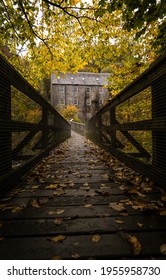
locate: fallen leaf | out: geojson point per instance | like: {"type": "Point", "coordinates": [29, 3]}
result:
{"type": "Point", "coordinates": [105, 176]}
{"type": "Point", "coordinates": [41, 221]}
{"type": "Point", "coordinates": [59, 192]}
{"type": "Point", "coordinates": [136, 207]}
{"type": "Point", "coordinates": [58, 238]}
{"type": "Point", "coordinates": [16, 209]}
{"type": "Point", "coordinates": [89, 195]}
{"type": "Point", "coordinates": [75, 256]}
{"type": "Point", "coordinates": [56, 258]}
{"type": "Point", "coordinates": [119, 221]}
{"type": "Point", "coordinates": [139, 225]}
{"type": "Point", "coordinates": [62, 185]}
{"type": "Point", "coordinates": [163, 198]}
{"type": "Point", "coordinates": [96, 238]}
{"type": "Point", "coordinates": [35, 203]}
{"type": "Point", "coordinates": [58, 221]}
{"type": "Point", "coordinates": [89, 175]}
{"type": "Point", "coordinates": [71, 185]}
{"type": "Point", "coordinates": [87, 205]}
{"type": "Point", "coordinates": [117, 206]}
{"type": "Point", "coordinates": [163, 213]}
{"type": "Point", "coordinates": [52, 186]}
{"type": "Point", "coordinates": [1, 224]}
{"type": "Point", "coordinates": [124, 213]}
{"type": "Point", "coordinates": [85, 188]}
{"type": "Point", "coordinates": [76, 244]}
{"type": "Point", "coordinates": [2, 238]}
{"type": "Point", "coordinates": [35, 187]}
{"type": "Point", "coordinates": [136, 246]}
{"type": "Point", "coordinates": [86, 184]}
{"type": "Point", "coordinates": [163, 249]}
{"type": "Point", "coordinates": [103, 186]}
{"type": "Point", "coordinates": [56, 212]}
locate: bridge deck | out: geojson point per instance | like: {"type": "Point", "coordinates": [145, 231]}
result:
{"type": "Point", "coordinates": [80, 203]}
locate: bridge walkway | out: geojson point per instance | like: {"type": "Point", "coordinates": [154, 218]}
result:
{"type": "Point", "coordinates": [81, 203]}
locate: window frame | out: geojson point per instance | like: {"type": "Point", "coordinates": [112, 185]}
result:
{"type": "Point", "coordinates": [88, 89]}
{"type": "Point", "coordinates": [75, 99]}
{"type": "Point", "coordinates": [61, 89]}
{"type": "Point", "coordinates": [88, 102]}
{"type": "Point", "coordinates": [62, 103]}
{"type": "Point", "coordinates": [100, 90]}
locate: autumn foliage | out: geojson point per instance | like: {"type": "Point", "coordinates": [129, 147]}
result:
{"type": "Point", "coordinates": [70, 113]}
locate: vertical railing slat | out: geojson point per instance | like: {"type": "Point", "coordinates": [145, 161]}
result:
{"type": "Point", "coordinates": [5, 136]}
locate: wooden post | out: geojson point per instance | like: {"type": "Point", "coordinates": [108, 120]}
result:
{"type": "Point", "coordinates": [44, 128]}
{"type": "Point", "coordinates": [159, 111]}
{"type": "Point", "coordinates": [112, 122]}
{"type": "Point", "coordinates": [5, 136]}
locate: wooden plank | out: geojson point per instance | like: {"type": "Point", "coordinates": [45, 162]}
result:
{"type": "Point", "coordinates": [75, 226]}
{"type": "Point", "coordinates": [111, 246]}
{"type": "Point", "coordinates": [68, 211]}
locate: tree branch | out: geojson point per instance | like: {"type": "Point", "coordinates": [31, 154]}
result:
{"type": "Point", "coordinates": [31, 27]}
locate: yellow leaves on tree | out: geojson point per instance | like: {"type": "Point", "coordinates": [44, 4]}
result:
{"type": "Point", "coordinates": [70, 113]}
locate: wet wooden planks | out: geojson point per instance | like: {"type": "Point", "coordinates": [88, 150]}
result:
{"type": "Point", "coordinates": [34, 212]}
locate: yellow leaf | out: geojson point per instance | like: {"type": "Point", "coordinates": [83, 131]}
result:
{"type": "Point", "coordinates": [35, 204]}
{"type": "Point", "coordinates": [52, 186]}
{"type": "Point", "coordinates": [136, 246]}
{"type": "Point", "coordinates": [58, 238]}
{"type": "Point", "coordinates": [35, 187]}
{"type": "Point", "coordinates": [87, 205]}
{"type": "Point", "coordinates": [163, 249]}
{"type": "Point", "coordinates": [119, 221]}
{"type": "Point", "coordinates": [96, 238]}
{"type": "Point", "coordinates": [139, 225]}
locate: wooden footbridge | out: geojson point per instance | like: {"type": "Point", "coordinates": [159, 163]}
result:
{"type": "Point", "coordinates": [67, 196]}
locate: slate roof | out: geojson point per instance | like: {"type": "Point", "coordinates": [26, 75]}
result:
{"type": "Point", "coordinates": [81, 78]}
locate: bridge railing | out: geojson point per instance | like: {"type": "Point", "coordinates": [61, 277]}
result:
{"type": "Point", "coordinates": [29, 126]}
{"type": "Point", "coordinates": [132, 126]}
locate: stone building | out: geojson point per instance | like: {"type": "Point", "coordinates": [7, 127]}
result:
{"type": "Point", "coordinates": [85, 90]}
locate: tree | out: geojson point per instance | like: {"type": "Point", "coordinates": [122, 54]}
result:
{"type": "Point", "coordinates": [67, 36]}
{"type": "Point", "coordinates": [139, 15]}
{"type": "Point", "coordinates": [70, 112]}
